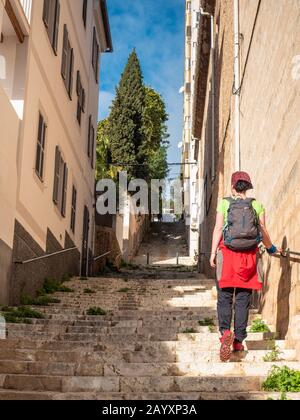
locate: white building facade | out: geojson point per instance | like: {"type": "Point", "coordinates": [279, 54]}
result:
{"type": "Point", "coordinates": [49, 93]}
{"type": "Point", "coordinates": [190, 167]}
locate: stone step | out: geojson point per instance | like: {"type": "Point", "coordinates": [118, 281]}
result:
{"type": "Point", "coordinates": [130, 315]}
{"type": "Point", "coordinates": [189, 355]}
{"type": "Point", "coordinates": [117, 368]}
{"type": "Point", "coordinates": [135, 353]}
{"type": "Point", "coordinates": [110, 384]}
{"type": "Point", "coordinates": [7, 395]}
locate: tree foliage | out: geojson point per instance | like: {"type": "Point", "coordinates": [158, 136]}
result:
{"type": "Point", "coordinates": [126, 133]}
{"type": "Point", "coordinates": [134, 137]}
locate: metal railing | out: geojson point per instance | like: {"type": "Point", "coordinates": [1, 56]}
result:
{"type": "Point", "coordinates": [102, 256]}
{"type": "Point", "coordinates": [27, 7]}
{"type": "Point", "coordinates": [46, 256]}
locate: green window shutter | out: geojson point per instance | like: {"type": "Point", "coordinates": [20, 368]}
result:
{"type": "Point", "coordinates": [64, 62]}
{"type": "Point", "coordinates": [56, 26]}
{"type": "Point", "coordinates": [46, 12]}
{"type": "Point", "coordinates": [56, 175]}
{"type": "Point", "coordinates": [64, 191]}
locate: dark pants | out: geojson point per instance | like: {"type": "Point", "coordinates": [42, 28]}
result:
{"type": "Point", "coordinates": [241, 309]}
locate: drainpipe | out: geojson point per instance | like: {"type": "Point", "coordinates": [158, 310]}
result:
{"type": "Point", "coordinates": [237, 145]}
{"type": "Point", "coordinates": [212, 55]}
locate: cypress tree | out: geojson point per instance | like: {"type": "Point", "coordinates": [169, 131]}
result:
{"type": "Point", "coordinates": [126, 119]}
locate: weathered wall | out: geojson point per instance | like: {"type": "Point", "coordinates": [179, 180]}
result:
{"type": "Point", "coordinates": [121, 234]}
{"type": "Point", "coordinates": [106, 241]}
{"type": "Point", "coordinates": [9, 123]}
{"type": "Point", "coordinates": [30, 277]}
{"type": "Point", "coordinates": [218, 187]}
{"type": "Point", "coordinates": [270, 141]}
{"type": "Point", "coordinates": [130, 231]}
{"type": "Point", "coordinates": [270, 146]}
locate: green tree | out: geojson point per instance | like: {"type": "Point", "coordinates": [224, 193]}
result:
{"type": "Point", "coordinates": [126, 132]}
{"type": "Point", "coordinates": [104, 168]}
{"type": "Point", "coordinates": [154, 147]}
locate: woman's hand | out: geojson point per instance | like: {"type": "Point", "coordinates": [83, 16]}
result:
{"type": "Point", "coordinates": [213, 260]}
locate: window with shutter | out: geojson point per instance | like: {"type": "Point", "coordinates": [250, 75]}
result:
{"type": "Point", "coordinates": [73, 209]}
{"type": "Point", "coordinates": [91, 141]}
{"type": "Point", "coordinates": [64, 190]}
{"type": "Point", "coordinates": [95, 55]}
{"type": "Point", "coordinates": [84, 12]}
{"type": "Point", "coordinates": [51, 15]}
{"type": "Point", "coordinates": [92, 146]}
{"type": "Point", "coordinates": [67, 63]}
{"type": "Point", "coordinates": [64, 60]}
{"type": "Point", "coordinates": [56, 27]}
{"type": "Point", "coordinates": [89, 137]}
{"type": "Point", "coordinates": [81, 98]}
{"type": "Point", "coordinates": [40, 152]}
{"type": "Point", "coordinates": [56, 175]}
{"type": "Point", "coordinates": [60, 182]}
{"type": "Point", "coordinates": [46, 12]}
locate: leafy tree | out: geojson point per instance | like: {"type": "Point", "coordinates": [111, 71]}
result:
{"type": "Point", "coordinates": [154, 147]}
{"type": "Point", "coordinates": [134, 136]}
{"type": "Point", "coordinates": [104, 168]}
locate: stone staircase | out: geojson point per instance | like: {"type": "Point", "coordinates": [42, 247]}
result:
{"type": "Point", "coordinates": [149, 345]}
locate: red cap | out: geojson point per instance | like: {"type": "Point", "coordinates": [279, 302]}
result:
{"type": "Point", "coordinates": [240, 176]}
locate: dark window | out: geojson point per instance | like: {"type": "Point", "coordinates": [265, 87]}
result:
{"type": "Point", "coordinates": [188, 88]}
{"type": "Point", "coordinates": [67, 63]}
{"type": "Point", "coordinates": [81, 98]}
{"type": "Point", "coordinates": [84, 12]}
{"type": "Point", "coordinates": [73, 209]}
{"type": "Point", "coordinates": [95, 56]}
{"type": "Point", "coordinates": [51, 14]}
{"type": "Point", "coordinates": [40, 152]}
{"type": "Point", "coordinates": [91, 141]}
{"type": "Point", "coordinates": [189, 31]}
{"type": "Point", "coordinates": [60, 182]}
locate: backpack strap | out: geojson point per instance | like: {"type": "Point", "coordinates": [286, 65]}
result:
{"type": "Point", "coordinates": [230, 199]}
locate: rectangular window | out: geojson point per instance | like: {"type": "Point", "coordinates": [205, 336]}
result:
{"type": "Point", "coordinates": [84, 12]}
{"type": "Point", "coordinates": [95, 56]}
{"type": "Point", "coordinates": [67, 63]}
{"type": "Point", "coordinates": [73, 209]}
{"type": "Point", "coordinates": [189, 31]}
{"type": "Point", "coordinates": [80, 98]}
{"type": "Point", "coordinates": [91, 141]}
{"type": "Point", "coordinates": [40, 152]}
{"type": "Point", "coordinates": [60, 182]}
{"type": "Point", "coordinates": [51, 15]}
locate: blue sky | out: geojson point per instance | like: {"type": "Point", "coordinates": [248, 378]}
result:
{"type": "Point", "coordinates": [156, 29]}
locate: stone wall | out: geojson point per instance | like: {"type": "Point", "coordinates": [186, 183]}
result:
{"type": "Point", "coordinates": [106, 241]}
{"type": "Point", "coordinates": [270, 137]}
{"type": "Point", "coordinates": [28, 278]}
{"type": "Point", "coordinates": [216, 188]}
{"type": "Point", "coordinates": [122, 239]}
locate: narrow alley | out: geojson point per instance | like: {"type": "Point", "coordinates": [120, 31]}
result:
{"type": "Point", "coordinates": [143, 333]}
{"type": "Point", "coordinates": [164, 243]}
{"type": "Point", "coordinates": [149, 201]}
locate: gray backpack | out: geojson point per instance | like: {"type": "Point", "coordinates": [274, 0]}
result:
{"type": "Point", "coordinates": [242, 231]}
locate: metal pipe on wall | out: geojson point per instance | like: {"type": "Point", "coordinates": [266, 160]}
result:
{"type": "Point", "coordinates": [237, 142]}
{"type": "Point", "coordinates": [213, 93]}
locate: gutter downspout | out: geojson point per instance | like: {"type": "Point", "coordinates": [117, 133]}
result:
{"type": "Point", "coordinates": [213, 90]}
{"type": "Point", "coordinates": [237, 90]}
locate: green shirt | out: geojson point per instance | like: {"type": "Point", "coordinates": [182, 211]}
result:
{"type": "Point", "coordinates": [224, 205]}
